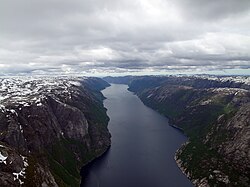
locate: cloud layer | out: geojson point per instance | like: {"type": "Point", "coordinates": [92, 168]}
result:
{"type": "Point", "coordinates": [125, 36]}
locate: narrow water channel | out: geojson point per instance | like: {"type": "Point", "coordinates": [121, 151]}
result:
{"type": "Point", "coordinates": [143, 146]}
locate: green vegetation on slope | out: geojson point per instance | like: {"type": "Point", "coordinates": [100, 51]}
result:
{"type": "Point", "coordinates": [184, 108]}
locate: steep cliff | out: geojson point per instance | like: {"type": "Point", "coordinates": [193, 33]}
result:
{"type": "Point", "coordinates": [215, 115]}
{"type": "Point", "coordinates": [49, 128]}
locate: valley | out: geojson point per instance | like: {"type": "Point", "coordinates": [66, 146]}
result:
{"type": "Point", "coordinates": [214, 113]}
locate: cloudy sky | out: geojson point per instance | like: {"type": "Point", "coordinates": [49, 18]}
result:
{"type": "Point", "coordinates": [100, 37]}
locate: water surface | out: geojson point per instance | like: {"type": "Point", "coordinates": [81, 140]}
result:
{"type": "Point", "coordinates": [143, 146]}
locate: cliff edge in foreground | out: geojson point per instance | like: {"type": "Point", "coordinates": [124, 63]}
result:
{"type": "Point", "coordinates": [49, 128]}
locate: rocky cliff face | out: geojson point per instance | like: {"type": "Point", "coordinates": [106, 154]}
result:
{"type": "Point", "coordinates": [49, 128]}
{"type": "Point", "coordinates": [215, 115]}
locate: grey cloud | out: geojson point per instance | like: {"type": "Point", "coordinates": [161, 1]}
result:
{"type": "Point", "coordinates": [123, 36]}
{"type": "Point", "coordinates": [212, 10]}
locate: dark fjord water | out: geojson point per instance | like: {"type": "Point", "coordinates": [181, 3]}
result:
{"type": "Point", "coordinates": [143, 146]}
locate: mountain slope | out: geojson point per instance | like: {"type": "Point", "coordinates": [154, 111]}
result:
{"type": "Point", "coordinates": [50, 127]}
{"type": "Point", "coordinates": [215, 115]}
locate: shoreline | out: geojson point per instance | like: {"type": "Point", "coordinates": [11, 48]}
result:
{"type": "Point", "coordinates": [178, 128]}
{"type": "Point", "coordinates": [179, 161]}
{"type": "Point", "coordinates": [85, 169]}
{"type": "Point", "coordinates": [195, 182]}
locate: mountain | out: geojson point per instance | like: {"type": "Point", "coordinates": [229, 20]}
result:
{"type": "Point", "coordinates": [119, 80]}
{"type": "Point", "coordinates": [49, 128]}
{"type": "Point", "coordinates": [214, 112]}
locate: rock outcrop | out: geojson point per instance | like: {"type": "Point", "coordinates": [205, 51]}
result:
{"type": "Point", "coordinates": [49, 128]}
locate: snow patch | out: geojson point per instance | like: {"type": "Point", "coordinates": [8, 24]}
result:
{"type": "Point", "coordinates": [13, 112]}
{"type": "Point", "coordinates": [206, 102]}
{"type": "Point", "coordinates": [20, 175]}
{"type": "Point", "coordinates": [75, 83]}
{"type": "Point", "coordinates": [3, 158]}
{"type": "Point", "coordinates": [28, 90]}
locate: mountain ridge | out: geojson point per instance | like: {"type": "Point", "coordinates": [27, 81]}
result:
{"type": "Point", "coordinates": [50, 127]}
